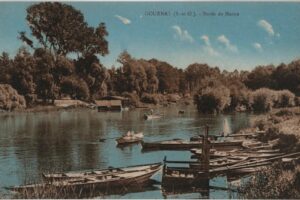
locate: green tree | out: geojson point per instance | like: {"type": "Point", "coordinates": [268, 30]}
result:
{"type": "Point", "coordinates": [75, 87]}
{"type": "Point", "coordinates": [212, 99]}
{"type": "Point", "coordinates": [260, 77]}
{"type": "Point", "coordinates": [95, 75]}
{"type": "Point", "coordinates": [45, 85]}
{"type": "Point", "coordinates": [133, 74]}
{"type": "Point", "coordinates": [167, 75]}
{"type": "Point", "coordinates": [22, 73]}
{"type": "Point", "coordinates": [61, 29]}
{"type": "Point", "coordinates": [6, 65]}
{"type": "Point", "coordinates": [288, 76]}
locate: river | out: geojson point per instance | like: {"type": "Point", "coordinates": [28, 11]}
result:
{"type": "Point", "coordinates": [32, 143]}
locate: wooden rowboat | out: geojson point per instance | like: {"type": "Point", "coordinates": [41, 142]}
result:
{"type": "Point", "coordinates": [102, 180]}
{"type": "Point", "coordinates": [98, 173]}
{"type": "Point", "coordinates": [222, 162]}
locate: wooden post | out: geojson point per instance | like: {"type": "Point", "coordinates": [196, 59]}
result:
{"type": "Point", "coordinates": [205, 152]}
{"type": "Point", "coordinates": [205, 160]}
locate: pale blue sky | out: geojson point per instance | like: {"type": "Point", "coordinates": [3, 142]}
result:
{"type": "Point", "coordinates": [263, 33]}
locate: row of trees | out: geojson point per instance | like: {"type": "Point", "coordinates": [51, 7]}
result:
{"type": "Point", "coordinates": [220, 98]}
{"type": "Point", "coordinates": [45, 71]}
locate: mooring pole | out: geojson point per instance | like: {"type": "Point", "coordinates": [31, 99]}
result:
{"type": "Point", "coordinates": [205, 159]}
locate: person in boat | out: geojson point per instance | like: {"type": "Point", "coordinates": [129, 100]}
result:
{"type": "Point", "coordinates": [151, 112]}
{"type": "Point", "coordinates": [129, 134]}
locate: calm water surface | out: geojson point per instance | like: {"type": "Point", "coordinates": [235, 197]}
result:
{"type": "Point", "coordinates": [32, 143]}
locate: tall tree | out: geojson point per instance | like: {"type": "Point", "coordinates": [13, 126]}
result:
{"type": "Point", "coordinates": [5, 68]}
{"type": "Point", "coordinates": [45, 86]}
{"type": "Point", "coordinates": [22, 74]}
{"type": "Point", "coordinates": [61, 29]}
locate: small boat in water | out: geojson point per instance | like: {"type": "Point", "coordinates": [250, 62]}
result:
{"type": "Point", "coordinates": [151, 116]}
{"type": "Point", "coordinates": [104, 180]}
{"type": "Point", "coordinates": [130, 137]}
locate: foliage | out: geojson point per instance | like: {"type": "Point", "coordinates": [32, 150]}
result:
{"type": "Point", "coordinates": [261, 100]}
{"type": "Point", "coordinates": [212, 99]}
{"type": "Point", "coordinates": [45, 85]}
{"type": "Point", "coordinates": [196, 73]}
{"type": "Point", "coordinates": [22, 74]}
{"type": "Point", "coordinates": [75, 87]}
{"type": "Point", "coordinates": [10, 99]}
{"type": "Point", "coordinates": [276, 182]}
{"type": "Point", "coordinates": [168, 77]}
{"type": "Point", "coordinates": [94, 74]}
{"type": "Point", "coordinates": [150, 98]}
{"type": "Point", "coordinates": [61, 28]}
{"type": "Point", "coordinates": [285, 98]}
{"type": "Point", "coordinates": [134, 99]}
{"type": "Point", "coordinates": [260, 77]}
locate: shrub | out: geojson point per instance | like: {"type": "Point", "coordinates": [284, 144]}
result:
{"type": "Point", "coordinates": [133, 98]}
{"type": "Point", "coordinates": [212, 99]}
{"type": "Point", "coordinates": [274, 182]}
{"type": "Point", "coordinates": [285, 98]}
{"type": "Point", "coordinates": [261, 100]}
{"type": "Point", "coordinates": [150, 98]}
{"type": "Point", "coordinates": [10, 99]}
{"type": "Point", "coordinates": [75, 87]}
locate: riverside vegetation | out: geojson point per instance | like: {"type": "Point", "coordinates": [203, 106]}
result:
{"type": "Point", "coordinates": [279, 180]}
{"type": "Point", "coordinates": [53, 65]}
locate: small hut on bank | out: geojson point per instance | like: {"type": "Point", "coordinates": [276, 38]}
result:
{"type": "Point", "coordinates": [111, 103]}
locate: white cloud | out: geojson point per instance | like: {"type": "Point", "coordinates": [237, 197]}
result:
{"type": "Point", "coordinates": [257, 46]}
{"type": "Point", "coordinates": [205, 38]}
{"type": "Point", "coordinates": [207, 47]}
{"type": "Point", "coordinates": [226, 42]}
{"type": "Point", "coordinates": [267, 27]}
{"type": "Point", "coordinates": [123, 19]}
{"type": "Point", "coordinates": [182, 34]}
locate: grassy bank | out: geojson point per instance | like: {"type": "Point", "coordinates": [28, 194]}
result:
{"type": "Point", "coordinates": [281, 180]}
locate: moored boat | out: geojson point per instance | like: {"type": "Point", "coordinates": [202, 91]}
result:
{"type": "Point", "coordinates": [98, 172]}
{"type": "Point", "coordinates": [222, 162]}
{"type": "Point", "coordinates": [103, 180]}
{"type": "Point", "coordinates": [187, 145]}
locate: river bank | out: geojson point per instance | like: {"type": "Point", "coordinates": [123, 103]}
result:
{"type": "Point", "coordinates": [280, 180]}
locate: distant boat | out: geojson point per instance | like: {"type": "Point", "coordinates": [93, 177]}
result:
{"type": "Point", "coordinates": [152, 115]}
{"type": "Point", "coordinates": [103, 180]}
{"type": "Point", "coordinates": [148, 117]}
{"type": "Point", "coordinates": [130, 137]}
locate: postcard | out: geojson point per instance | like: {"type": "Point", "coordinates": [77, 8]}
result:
{"type": "Point", "coordinates": [149, 100]}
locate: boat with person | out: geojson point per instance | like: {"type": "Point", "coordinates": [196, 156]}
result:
{"type": "Point", "coordinates": [106, 180]}
{"type": "Point", "coordinates": [151, 115]}
{"type": "Point", "coordinates": [130, 137]}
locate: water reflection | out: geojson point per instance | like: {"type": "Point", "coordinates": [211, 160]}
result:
{"type": "Point", "coordinates": [32, 143]}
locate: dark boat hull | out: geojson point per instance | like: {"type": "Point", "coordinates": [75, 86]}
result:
{"type": "Point", "coordinates": [186, 178]}
{"type": "Point", "coordinates": [188, 145]}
